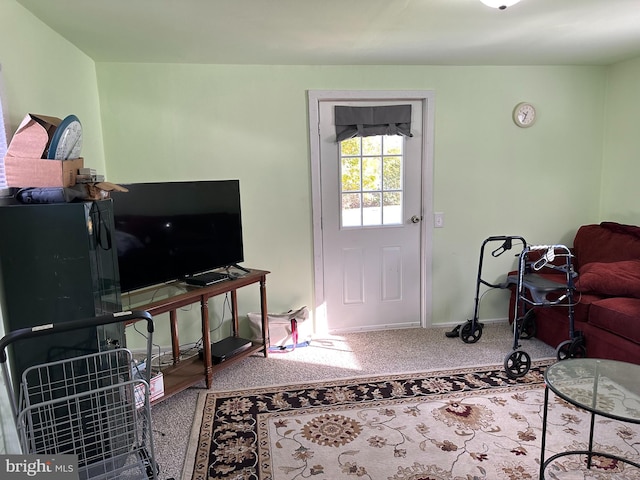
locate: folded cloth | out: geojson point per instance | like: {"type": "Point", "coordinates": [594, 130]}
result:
{"type": "Point", "coordinates": [49, 195]}
{"type": "Point", "coordinates": [78, 192]}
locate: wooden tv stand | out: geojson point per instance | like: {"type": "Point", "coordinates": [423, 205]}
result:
{"type": "Point", "coordinates": [182, 374]}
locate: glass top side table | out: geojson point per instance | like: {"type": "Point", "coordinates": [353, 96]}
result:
{"type": "Point", "coordinates": [605, 388]}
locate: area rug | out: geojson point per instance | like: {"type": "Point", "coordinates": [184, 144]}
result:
{"type": "Point", "coordinates": [464, 424]}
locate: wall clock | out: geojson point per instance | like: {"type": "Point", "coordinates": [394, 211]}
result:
{"type": "Point", "coordinates": [524, 115]}
{"type": "Point", "coordinates": [66, 141]}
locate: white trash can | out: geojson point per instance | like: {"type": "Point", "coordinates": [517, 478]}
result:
{"type": "Point", "coordinates": [283, 327]}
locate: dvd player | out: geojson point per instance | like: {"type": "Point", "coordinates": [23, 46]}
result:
{"type": "Point", "coordinates": [209, 278]}
{"type": "Point", "coordinates": [227, 348]}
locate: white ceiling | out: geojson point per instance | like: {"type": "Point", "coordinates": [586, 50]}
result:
{"type": "Point", "coordinates": [347, 32]}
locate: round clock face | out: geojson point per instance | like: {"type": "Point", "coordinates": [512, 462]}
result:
{"type": "Point", "coordinates": [66, 142]}
{"type": "Point", "coordinates": [524, 115]}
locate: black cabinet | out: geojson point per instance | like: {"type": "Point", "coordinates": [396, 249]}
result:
{"type": "Point", "coordinates": [58, 262]}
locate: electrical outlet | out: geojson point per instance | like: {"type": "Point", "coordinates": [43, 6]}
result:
{"type": "Point", "coordinates": [438, 219]}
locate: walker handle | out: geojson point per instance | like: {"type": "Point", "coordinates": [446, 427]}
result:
{"type": "Point", "coordinates": [502, 248]}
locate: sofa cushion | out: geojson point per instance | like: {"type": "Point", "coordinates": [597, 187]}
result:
{"type": "Point", "coordinates": [616, 279]}
{"type": "Point", "coordinates": [606, 242]}
{"type": "Point", "coordinates": [617, 315]}
{"type": "Point", "coordinates": [582, 307]}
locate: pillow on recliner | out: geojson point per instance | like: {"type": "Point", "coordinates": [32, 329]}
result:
{"type": "Point", "coordinates": [615, 279]}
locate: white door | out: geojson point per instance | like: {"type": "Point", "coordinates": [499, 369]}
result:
{"type": "Point", "coordinates": [372, 224]}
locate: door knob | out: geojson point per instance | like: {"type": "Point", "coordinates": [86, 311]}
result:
{"type": "Point", "coordinates": [415, 219]}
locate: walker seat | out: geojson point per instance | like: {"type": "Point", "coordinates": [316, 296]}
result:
{"type": "Point", "coordinates": [539, 288]}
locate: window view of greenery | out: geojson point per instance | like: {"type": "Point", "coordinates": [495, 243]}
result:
{"type": "Point", "coordinates": [371, 169]}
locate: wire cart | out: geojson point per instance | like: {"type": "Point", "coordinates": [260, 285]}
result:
{"type": "Point", "coordinates": [94, 406]}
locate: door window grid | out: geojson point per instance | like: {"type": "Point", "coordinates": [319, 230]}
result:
{"type": "Point", "coordinates": [371, 187]}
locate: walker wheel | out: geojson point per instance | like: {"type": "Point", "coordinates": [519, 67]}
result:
{"type": "Point", "coordinates": [571, 349]}
{"type": "Point", "coordinates": [470, 335]}
{"type": "Point", "coordinates": [517, 364]}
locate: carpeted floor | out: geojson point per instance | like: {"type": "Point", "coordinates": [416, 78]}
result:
{"type": "Point", "coordinates": [333, 357]}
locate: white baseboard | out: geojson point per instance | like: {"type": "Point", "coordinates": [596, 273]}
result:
{"type": "Point", "coordinates": [394, 326]}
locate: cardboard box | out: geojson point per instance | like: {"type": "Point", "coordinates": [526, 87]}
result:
{"type": "Point", "coordinates": [24, 162]}
{"type": "Point", "coordinates": [156, 389]}
{"type": "Point", "coordinates": [38, 172]}
{"type": "Point", "coordinates": [33, 136]}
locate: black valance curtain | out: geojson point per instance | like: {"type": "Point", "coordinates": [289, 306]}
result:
{"type": "Point", "coordinates": [369, 121]}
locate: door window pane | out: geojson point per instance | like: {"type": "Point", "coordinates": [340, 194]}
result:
{"type": "Point", "coordinates": [393, 173]}
{"type": "Point", "coordinates": [371, 209]}
{"type": "Point", "coordinates": [351, 210]}
{"type": "Point", "coordinates": [371, 171]}
{"type": "Point", "coordinates": [393, 145]}
{"type": "Point", "coordinates": [372, 145]}
{"type": "Point", "coordinates": [371, 174]}
{"type": "Point", "coordinates": [392, 208]}
{"type": "Point", "coordinates": [350, 147]}
{"type": "Point", "coordinates": [351, 181]}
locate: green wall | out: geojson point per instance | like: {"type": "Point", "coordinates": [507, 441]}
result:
{"type": "Point", "coordinates": [175, 122]}
{"type": "Point", "coordinates": [621, 169]}
{"type": "Point", "coordinates": [180, 122]}
{"type": "Point", "coordinates": [44, 73]}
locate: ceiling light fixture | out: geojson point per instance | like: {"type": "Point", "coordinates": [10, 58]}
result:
{"type": "Point", "coordinates": [499, 4]}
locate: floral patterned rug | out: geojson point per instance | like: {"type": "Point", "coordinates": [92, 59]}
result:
{"type": "Point", "coordinates": [464, 424]}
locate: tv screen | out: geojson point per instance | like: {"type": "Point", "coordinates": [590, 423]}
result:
{"type": "Point", "coordinates": [172, 230]}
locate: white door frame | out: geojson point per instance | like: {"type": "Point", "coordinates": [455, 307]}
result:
{"type": "Point", "coordinates": [427, 97]}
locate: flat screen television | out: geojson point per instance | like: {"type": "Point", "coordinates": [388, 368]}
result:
{"type": "Point", "coordinates": [172, 230]}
